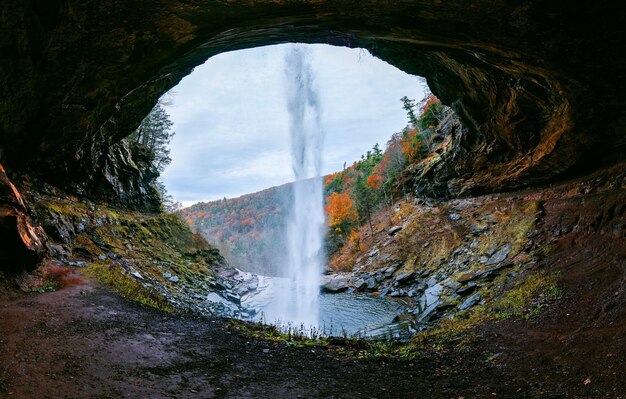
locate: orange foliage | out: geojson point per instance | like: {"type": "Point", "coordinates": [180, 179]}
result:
{"type": "Point", "coordinates": [340, 209]}
{"type": "Point", "coordinates": [330, 178]}
{"type": "Point", "coordinates": [375, 181]}
{"type": "Point", "coordinates": [411, 145]}
{"type": "Point", "coordinates": [427, 102]}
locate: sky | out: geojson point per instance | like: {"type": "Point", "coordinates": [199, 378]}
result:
{"type": "Point", "coordinates": [232, 125]}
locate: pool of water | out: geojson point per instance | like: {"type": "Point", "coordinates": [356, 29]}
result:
{"type": "Point", "coordinates": [345, 314]}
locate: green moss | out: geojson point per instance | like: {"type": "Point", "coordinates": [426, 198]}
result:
{"type": "Point", "coordinates": [513, 221]}
{"type": "Point", "coordinates": [526, 298]}
{"type": "Point", "coordinates": [120, 281]}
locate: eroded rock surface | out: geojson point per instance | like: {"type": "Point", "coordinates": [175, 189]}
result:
{"type": "Point", "coordinates": [539, 86]}
{"type": "Point", "coordinates": [22, 243]}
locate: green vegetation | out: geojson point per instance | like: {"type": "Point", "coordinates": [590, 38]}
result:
{"type": "Point", "coordinates": [244, 228]}
{"type": "Point", "coordinates": [352, 347]}
{"type": "Point", "coordinates": [525, 299]}
{"type": "Point", "coordinates": [127, 286]}
{"type": "Point", "coordinates": [154, 134]}
{"type": "Point", "coordinates": [132, 252]}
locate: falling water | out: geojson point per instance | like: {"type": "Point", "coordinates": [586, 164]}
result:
{"type": "Point", "coordinates": [299, 303]}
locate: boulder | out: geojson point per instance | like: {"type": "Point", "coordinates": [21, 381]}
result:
{"type": "Point", "coordinates": [335, 283]}
{"type": "Point", "coordinates": [403, 277]}
{"type": "Point", "coordinates": [360, 284]}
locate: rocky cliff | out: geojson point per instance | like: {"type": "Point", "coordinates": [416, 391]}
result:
{"type": "Point", "coordinates": [540, 86]}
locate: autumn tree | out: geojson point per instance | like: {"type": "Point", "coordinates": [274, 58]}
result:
{"type": "Point", "coordinates": [342, 215]}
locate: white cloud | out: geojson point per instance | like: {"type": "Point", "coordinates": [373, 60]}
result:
{"type": "Point", "coordinates": [231, 120]}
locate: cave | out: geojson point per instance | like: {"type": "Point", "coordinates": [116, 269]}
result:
{"type": "Point", "coordinates": [531, 82]}
{"type": "Point", "coordinates": [539, 86]}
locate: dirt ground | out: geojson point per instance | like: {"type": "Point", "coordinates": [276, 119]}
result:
{"type": "Point", "coordinates": [85, 342]}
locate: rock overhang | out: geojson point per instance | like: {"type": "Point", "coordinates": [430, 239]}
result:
{"type": "Point", "coordinates": [531, 81]}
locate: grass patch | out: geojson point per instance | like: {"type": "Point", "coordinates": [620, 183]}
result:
{"type": "Point", "coordinates": [292, 337]}
{"type": "Point", "coordinates": [120, 281]}
{"type": "Point", "coordinates": [351, 347]}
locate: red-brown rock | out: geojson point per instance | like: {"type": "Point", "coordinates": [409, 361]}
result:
{"type": "Point", "coordinates": [22, 244]}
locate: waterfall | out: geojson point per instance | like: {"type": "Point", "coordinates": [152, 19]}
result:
{"type": "Point", "coordinates": [298, 304]}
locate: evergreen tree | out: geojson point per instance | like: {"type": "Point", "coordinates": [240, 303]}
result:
{"type": "Point", "coordinates": [155, 132]}
{"type": "Point", "coordinates": [365, 199]}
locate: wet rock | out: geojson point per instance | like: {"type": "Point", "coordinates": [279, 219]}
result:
{"type": "Point", "coordinates": [371, 283]}
{"type": "Point", "coordinates": [451, 284]}
{"type": "Point", "coordinates": [81, 226]}
{"type": "Point", "coordinates": [231, 296]}
{"type": "Point", "coordinates": [468, 289]}
{"type": "Point", "coordinates": [59, 228]}
{"type": "Point", "coordinates": [403, 277]}
{"type": "Point", "coordinates": [469, 302]}
{"type": "Point", "coordinates": [479, 228]}
{"type": "Point", "coordinates": [390, 271]}
{"type": "Point", "coordinates": [217, 298]}
{"type": "Point", "coordinates": [58, 250]}
{"type": "Point", "coordinates": [220, 284]}
{"type": "Point", "coordinates": [500, 255]}
{"type": "Point", "coordinates": [428, 313]}
{"type": "Point", "coordinates": [335, 283]}
{"type": "Point", "coordinates": [431, 295]}
{"type": "Point", "coordinates": [360, 284]}
{"type": "Point", "coordinates": [394, 230]}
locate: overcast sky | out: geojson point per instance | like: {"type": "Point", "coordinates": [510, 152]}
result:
{"type": "Point", "coordinates": [232, 126]}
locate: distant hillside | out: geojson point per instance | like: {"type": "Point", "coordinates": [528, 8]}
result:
{"type": "Point", "coordinates": [248, 230]}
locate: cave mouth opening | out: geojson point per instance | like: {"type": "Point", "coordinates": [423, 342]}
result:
{"type": "Point", "coordinates": [233, 136]}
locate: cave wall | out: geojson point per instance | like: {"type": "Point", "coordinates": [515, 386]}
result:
{"type": "Point", "coordinates": [539, 85]}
